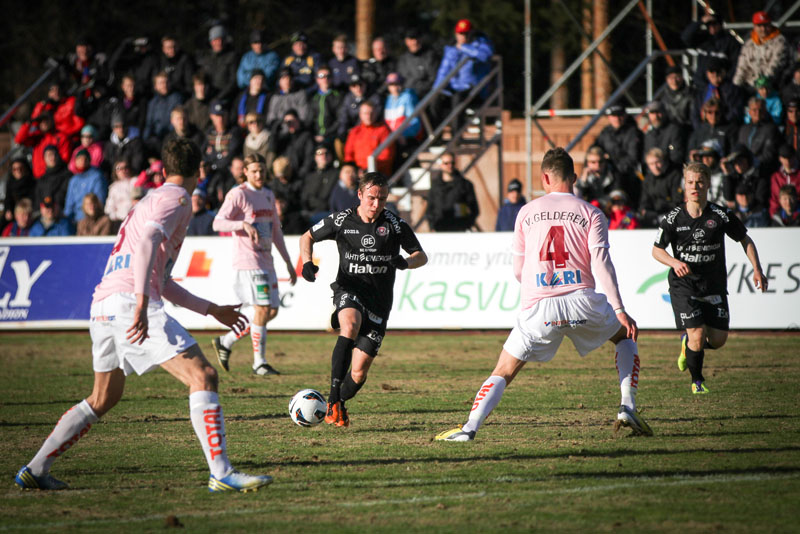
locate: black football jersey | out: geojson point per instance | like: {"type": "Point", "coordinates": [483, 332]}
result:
{"type": "Point", "coordinates": [700, 243]}
{"type": "Point", "coordinates": [364, 253]}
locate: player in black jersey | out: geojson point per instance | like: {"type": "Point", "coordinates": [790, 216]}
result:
{"type": "Point", "coordinates": [698, 281]}
{"type": "Point", "coordinates": [369, 238]}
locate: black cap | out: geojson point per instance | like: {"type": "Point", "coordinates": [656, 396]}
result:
{"type": "Point", "coordinates": [743, 188]}
{"type": "Point", "coordinates": [256, 36]}
{"type": "Point", "coordinates": [47, 202]}
{"type": "Point", "coordinates": [299, 36]}
{"type": "Point", "coordinates": [615, 109]}
{"type": "Point", "coordinates": [514, 185]}
{"type": "Point", "coordinates": [793, 103]}
{"type": "Point", "coordinates": [285, 71]}
{"type": "Point", "coordinates": [354, 79]}
{"type": "Point", "coordinates": [413, 33]}
{"type": "Point", "coordinates": [216, 108]}
{"type": "Point", "coordinates": [675, 70]}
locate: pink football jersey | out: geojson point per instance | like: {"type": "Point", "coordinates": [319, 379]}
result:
{"type": "Point", "coordinates": [555, 233]}
{"type": "Point", "coordinates": [257, 207]}
{"type": "Point", "coordinates": [169, 209]}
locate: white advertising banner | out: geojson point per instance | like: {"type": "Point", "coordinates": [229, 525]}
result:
{"type": "Point", "coordinates": [467, 284]}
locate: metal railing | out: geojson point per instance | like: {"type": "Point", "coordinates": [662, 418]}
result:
{"type": "Point", "coordinates": [626, 83]}
{"type": "Point", "coordinates": [482, 108]}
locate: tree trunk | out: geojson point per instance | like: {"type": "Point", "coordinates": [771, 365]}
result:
{"type": "Point", "coordinates": [602, 81]}
{"type": "Point", "coordinates": [365, 24]}
{"type": "Point", "coordinates": [587, 100]}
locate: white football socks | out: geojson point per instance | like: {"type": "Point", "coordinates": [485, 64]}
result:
{"type": "Point", "coordinates": [209, 425]}
{"type": "Point", "coordinates": [259, 336]}
{"type": "Point", "coordinates": [232, 337]}
{"type": "Point", "coordinates": [485, 401]}
{"type": "Point", "coordinates": [627, 361]}
{"type": "Point", "coordinates": [72, 426]}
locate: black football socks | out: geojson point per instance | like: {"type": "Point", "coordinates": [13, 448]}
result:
{"type": "Point", "coordinates": [694, 361]}
{"type": "Point", "coordinates": [340, 363]}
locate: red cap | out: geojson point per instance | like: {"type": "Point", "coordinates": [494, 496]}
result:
{"type": "Point", "coordinates": [463, 26]}
{"type": "Point", "coordinates": [761, 17]}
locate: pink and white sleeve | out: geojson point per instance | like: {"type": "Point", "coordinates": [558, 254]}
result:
{"type": "Point", "coordinates": [225, 220]}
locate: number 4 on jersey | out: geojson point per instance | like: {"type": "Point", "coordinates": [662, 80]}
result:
{"type": "Point", "coordinates": [554, 241]}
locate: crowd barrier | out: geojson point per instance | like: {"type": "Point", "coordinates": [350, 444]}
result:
{"type": "Point", "coordinates": [47, 283]}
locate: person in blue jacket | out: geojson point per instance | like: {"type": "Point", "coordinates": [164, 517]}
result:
{"type": "Point", "coordinates": [258, 58]}
{"type": "Point", "coordinates": [468, 43]}
{"type": "Point", "coordinates": [514, 200]}
{"type": "Point", "coordinates": [88, 180]}
{"type": "Point", "coordinates": [50, 222]}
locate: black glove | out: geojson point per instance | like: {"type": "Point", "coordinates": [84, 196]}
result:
{"type": "Point", "coordinates": [310, 271]}
{"type": "Point", "coordinates": [399, 262]}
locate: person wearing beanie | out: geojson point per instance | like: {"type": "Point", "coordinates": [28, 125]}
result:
{"type": "Point", "coordinates": [91, 144]}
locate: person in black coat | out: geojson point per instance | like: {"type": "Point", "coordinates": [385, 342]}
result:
{"type": "Point", "coordinates": [53, 183]}
{"type": "Point", "coordinates": [418, 65]}
{"type": "Point", "coordinates": [452, 205]}
{"type": "Point", "coordinates": [662, 189]}
{"type": "Point", "coordinates": [761, 137]}
{"type": "Point", "coordinates": [666, 135]}
{"type": "Point", "coordinates": [20, 184]}
{"type": "Point", "coordinates": [622, 142]}
{"type": "Point", "coordinates": [712, 41]}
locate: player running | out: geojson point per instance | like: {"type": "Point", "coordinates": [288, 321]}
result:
{"type": "Point", "coordinates": [131, 332]}
{"type": "Point", "coordinates": [249, 213]}
{"type": "Point", "coordinates": [369, 238]}
{"type": "Point", "coordinates": [560, 247]}
{"type": "Point", "coordinates": [698, 276]}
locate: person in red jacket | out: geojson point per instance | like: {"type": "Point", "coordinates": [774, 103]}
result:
{"type": "Point", "coordinates": [365, 137]}
{"type": "Point", "coordinates": [62, 108]}
{"type": "Point", "coordinates": [38, 133]}
{"type": "Point", "coordinates": [787, 174]}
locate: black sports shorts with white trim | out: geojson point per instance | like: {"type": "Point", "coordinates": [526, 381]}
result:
{"type": "Point", "coordinates": [694, 312]}
{"type": "Point", "coordinates": [373, 326]}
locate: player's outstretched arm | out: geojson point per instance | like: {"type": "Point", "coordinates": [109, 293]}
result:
{"type": "Point", "coordinates": [229, 316]}
{"type": "Point", "coordinates": [761, 281]}
{"type": "Point", "coordinates": [415, 260]}
{"type": "Point", "coordinates": [662, 256]}
{"type": "Point", "coordinates": [306, 251]}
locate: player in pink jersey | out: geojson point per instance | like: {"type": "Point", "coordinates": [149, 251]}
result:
{"type": "Point", "coordinates": [249, 213]}
{"type": "Point", "coordinates": [560, 246]}
{"type": "Point", "coordinates": [131, 332]}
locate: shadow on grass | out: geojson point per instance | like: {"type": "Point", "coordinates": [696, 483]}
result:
{"type": "Point", "coordinates": [562, 454]}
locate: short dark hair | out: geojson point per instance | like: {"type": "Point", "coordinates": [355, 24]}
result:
{"type": "Point", "coordinates": [788, 189]}
{"type": "Point", "coordinates": [181, 157]}
{"type": "Point", "coordinates": [558, 162]}
{"type": "Point", "coordinates": [371, 179]}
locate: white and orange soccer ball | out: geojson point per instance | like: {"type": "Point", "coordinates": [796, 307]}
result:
{"type": "Point", "coordinates": [307, 407]}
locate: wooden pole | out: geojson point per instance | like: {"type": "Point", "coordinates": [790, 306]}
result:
{"type": "Point", "coordinates": [365, 25]}
{"type": "Point", "coordinates": [586, 66]}
{"type": "Point", "coordinates": [602, 81]}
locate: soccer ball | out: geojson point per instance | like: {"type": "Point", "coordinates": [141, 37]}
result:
{"type": "Point", "coordinates": [307, 407]}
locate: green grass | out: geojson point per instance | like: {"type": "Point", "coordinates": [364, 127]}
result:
{"type": "Point", "coordinates": [546, 460]}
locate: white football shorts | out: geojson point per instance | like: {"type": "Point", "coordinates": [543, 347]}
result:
{"type": "Point", "coordinates": [584, 316]}
{"type": "Point", "coordinates": [257, 287]}
{"type": "Point", "coordinates": [110, 319]}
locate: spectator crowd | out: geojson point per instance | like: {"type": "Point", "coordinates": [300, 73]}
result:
{"type": "Point", "coordinates": [737, 114]}
{"type": "Point", "coordinates": [90, 150]}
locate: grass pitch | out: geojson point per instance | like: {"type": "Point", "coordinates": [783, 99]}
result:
{"type": "Point", "coordinates": [546, 460]}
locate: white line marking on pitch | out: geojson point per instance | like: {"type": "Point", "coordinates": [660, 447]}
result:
{"type": "Point", "coordinates": [635, 482]}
